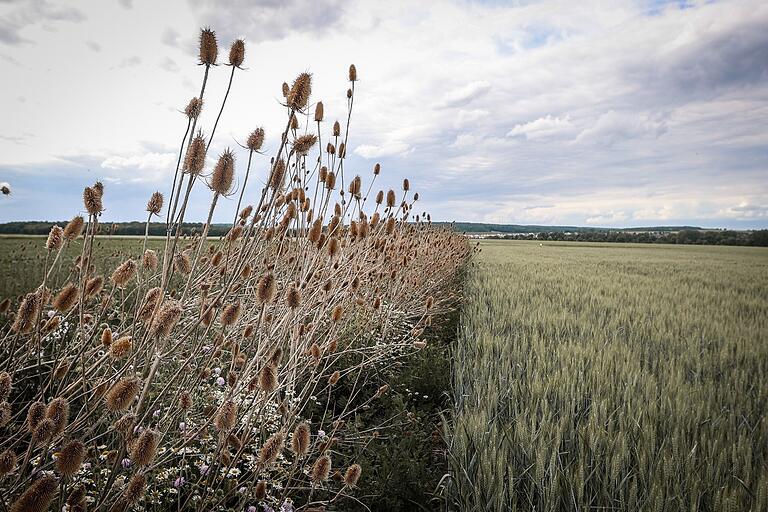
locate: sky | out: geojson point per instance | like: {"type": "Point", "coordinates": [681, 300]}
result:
{"type": "Point", "coordinates": [595, 113]}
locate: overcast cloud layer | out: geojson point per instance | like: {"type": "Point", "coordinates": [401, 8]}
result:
{"type": "Point", "coordinates": [619, 113]}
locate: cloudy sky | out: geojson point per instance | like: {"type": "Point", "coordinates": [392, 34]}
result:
{"type": "Point", "coordinates": [605, 113]}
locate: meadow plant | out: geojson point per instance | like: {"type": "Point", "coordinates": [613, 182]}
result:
{"type": "Point", "coordinates": [202, 375]}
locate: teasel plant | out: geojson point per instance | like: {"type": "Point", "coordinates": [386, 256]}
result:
{"type": "Point", "coordinates": [222, 374]}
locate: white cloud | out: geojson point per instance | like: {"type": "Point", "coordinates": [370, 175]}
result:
{"type": "Point", "coordinates": [147, 167]}
{"type": "Point", "coordinates": [542, 127]}
{"type": "Point", "coordinates": [612, 127]}
{"type": "Point", "coordinates": [467, 93]}
{"type": "Point", "coordinates": [372, 151]}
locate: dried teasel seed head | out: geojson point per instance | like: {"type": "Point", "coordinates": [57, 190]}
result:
{"type": "Point", "coordinates": [377, 169]}
{"type": "Point", "coordinates": [145, 448]}
{"type": "Point", "coordinates": [300, 439]}
{"type": "Point", "coordinates": [167, 318]}
{"type": "Point", "coordinates": [334, 378]}
{"type": "Point", "coordinates": [182, 263]}
{"type": "Point", "coordinates": [121, 347]}
{"type": "Point", "coordinates": [230, 314]}
{"type": "Point", "coordinates": [352, 73]}
{"type": "Point", "coordinates": [55, 239]}
{"type": "Point", "coordinates": [319, 111]}
{"type": "Point", "coordinates": [35, 415]}
{"type": "Point", "coordinates": [336, 129]}
{"type": "Point", "coordinates": [298, 96]}
{"type": "Point", "coordinates": [272, 448]}
{"type": "Point", "coordinates": [321, 469]}
{"type": "Point", "coordinates": [37, 497]}
{"type": "Point", "coordinates": [256, 139]}
{"type": "Point", "coordinates": [92, 200]}
{"type": "Point", "coordinates": [124, 273]}
{"type": "Point", "coordinates": [406, 185]}
{"type": "Point", "coordinates": [337, 313]}
{"type": "Point", "coordinates": [224, 173]}
{"type": "Point", "coordinates": [58, 412]}
{"type": "Point", "coordinates": [194, 159]}
{"type": "Point", "coordinates": [260, 492]}
{"type": "Point", "coordinates": [268, 378]}
{"type": "Point", "coordinates": [149, 261]}
{"type": "Point", "coordinates": [6, 414]}
{"type": "Point", "coordinates": [391, 199]}
{"type": "Point", "coordinates": [277, 175]}
{"type": "Point", "coordinates": [293, 297]}
{"type": "Point", "coordinates": [193, 108]}
{"type": "Point", "coordinates": [26, 316]}
{"type": "Point", "coordinates": [185, 400]}
{"type": "Point", "coordinates": [94, 286]}
{"type": "Point", "coordinates": [155, 203]}
{"type": "Point", "coordinates": [286, 89]}
{"type": "Point", "coordinates": [209, 48]}
{"type": "Point", "coordinates": [352, 475]}
{"type": "Point", "coordinates": [66, 298]}
{"type": "Point", "coordinates": [135, 489]}
{"type": "Point", "coordinates": [8, 461]}
{"type": "Point", "coordinates": [73, 228]}
{"type": "Point", "coordinates": [226, 417]}
{"type": "Point", "coordinates": [43, 432]}
{"type": "Point", "coordinates": [266, 289]}
{"type": "Point", "coordinates": [106, 337]}
{"type": "Point", "coordinates": [303, 144]}
{"type": "Point", "coordinates": [70, 458]}
{"type": "Point", "coordinates": [5, 386]}
{"type": "Point", "coordinates": [237, 53]}
{"type": "Point", "coordinates": [120, 396]}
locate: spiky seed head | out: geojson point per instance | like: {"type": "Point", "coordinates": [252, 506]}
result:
{"type": "Point", "coordinates": [185, 400]}
{"type": "Point", "coordinates": [124, 273]}
{"type": "Point", "coordinates": [349, 93]}
{"type": "Point", "coordinates": [231, 313]}
{"type": "Point", "coordinates": [330, 181]}
{"type": "Point", "coordinates": [226, 416]}
{"type": "Point", "coordinates": [149, 261]}
{"type": "Point", "coordinates": [377, 169]}
{"type": "Point", "coordinates": [70, 458]}
{"type": "Point", "coordinates": [26, 316]}
{"type": "Point", "coordinates": [35, 415]}
{"type": "Point", "coordinates": [337, 313]}
{"type": "Point", "coordinates": [336, 129]}
{"type": "Point", "coordinates": [209, 48]}
{"type": "Point", "coordinates": [294, 122]}
{"type": "Point", "coordinates": [55, 239]}
{"type": "Point", "coordinates": [74, 227]}
{"type": "Point", "coordinates": [145, 448]}
{"type": "Point", "coordinates": [352, 475]}
{"type": "Point", "coordinates": [8, 461]}
{"type": "Point", "coordinates": [94, 286]}
{"type": "Point", "coordinates": [182, 263]}
{"type": "Point", "coordinates": [334, 378]}
{"type": "Point", "coordinates": [293, 297]}
{"type": "Point", "coordinates": [391, 199]}
{"type": "Point", "coordinates": [76, 501]}
{"type": "Point", "coordinates": [155, 203]}
{"type": "Point", "coordinates": [135, 489]}
{"type": "Point", "coordinates": [58, 412]}
{"type": "Point", "coordinates": [256, 139]}
{"type": "Point", "coordinates": [321, 469]}
{"type": "Point", "coordinates": [286, 89]}
{"type": "Point", "coordinates": [237, 53]}
{"type": "Point", "coordinates": [268, 378]}
{"type": "Point", "coordinates": [303, 144]}
{"type": "Point", "coordinates": [121, 395]}
{"type": "Point", "coordinates": [5, 189]}
{"type": "Point", "coordinates": [92, 201]}
{"type": "Point", "coordinates": [224, 173]}
{"type": "Point", "coordinates": [194, 160]}
{"type": "Point", "coordinates": [6, 414]}
{"type": "Point", "coordinates": [300, 439]}
{"type": "Point", "coordinates": [167, 318]}
{"type": "Point", "coordinates": [43, 432]}
{"type": "Point", "coordinates": [66, 298]}
{"type": "Point", "coordinates": [300, 91]}
{"type": "Point", "coordinates": [266, 289]}
{"type": "Point", "coordinates": [278, 173]}
{"type": "Point", "coordinates": [5, 386]}
{"type": "Point", "coordinates": [121, 347]}
{"type": "Point", "coordinates": [406, 185]}
{"type": "Point", "coordinates": [260, 492]}
{"type": "Point", "coordinates": [319, 111]}
{"type": "Point", "coordinates": [193, 108]}
{"type": "Point", "coordinates": [37, 497]}
{"type": "Point", "coordinates": [272, 448]}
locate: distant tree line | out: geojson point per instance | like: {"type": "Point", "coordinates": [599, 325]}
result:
{"type": "Point", "coordinates": [112, 228]}
{"type": "Point", "coordinates": [685, 236]}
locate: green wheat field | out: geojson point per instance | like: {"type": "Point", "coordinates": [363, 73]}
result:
{"type": "Point", "coordinates": [612, 377]}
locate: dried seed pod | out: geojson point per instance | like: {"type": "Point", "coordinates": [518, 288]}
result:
{"type": "Point", "coordinates": [255, 139]}
{"type": "Point", "coordinates": [230, 314]}
{"type": "Point", "coordinates": [121, 395]}
{"type": "Point", "coordinates": [293, 297]}
{"type": "Point", "coordinates": [237, 53]}
{"type": "Point", "coordinates": [182, 263]}
{"type": "Point", "coordinates": [272, 448]}
{"type": "Point", "coordinates": [155, 203]}
{"type": "Point", "coordinates": [35, 415]}
{"type": "Point", "coordinates": [120, 348]}
{"type": "Point", "coordinates": [185, 400]}
{"type": "Point", "coordinates": [70, 458]}
{"type": "Point", "coordinates": [26, 316]}
{"type": "Point", "coordinates": [266, 288]}
{"type": "Point", "coordinates": [352, 475]}
{"type": "Point", "coordinates": [194, 159]}
{"type": "Point", "coordinates": [319, 111]}
{"type": "Point", "coordinates": [321, 469]}
{"type": "Point", "coordinates": [73, 228]}
{"type": "Point", "coordinates": [58, 412]}
{"type": "Point", "coordinates": [193, 108]}
{"type": "Point", "coordinates": [300, 439]}
{"type": "Point", "coordinates": [66, 298]}
{"type": "Point", "coordinates": [268, 378]}
{"type": "Point", "coordinates": [124, 273]}
{"type": "Point", "coordinates": [166, 319]}
{"type": "Point", "coordinates": [298, 95]}
{"type": "Point", "coordinates": [352, 73]}
{"type": "Point", "coordinates": [334, 378]}
{"type": "Point", "coordinates": [209, 48]}
{"type": "Point", "coordinates": [92, 200]}
{"type": "Point", "coordinates": [55, 239]}
{"type": "Point", "coordinates": [5, 386]}
{"type": "Point", "coordinates": [226, 416]}
{"type": "Point", "coordinates": [94, 286]}
{"type": "Point", "coordinates": [8, 462]}
{"type": "Point", "coordinates": [145, 448]}
{"type": "Point", "coordinates": [223, 173]}
{"type": "Point", "coordinates": [38, 496]}
{"type": "Point", "coordinates": [149, 261]}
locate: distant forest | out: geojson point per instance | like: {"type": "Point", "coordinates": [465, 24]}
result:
{"type": "Point", "coordinates": [653, 234]}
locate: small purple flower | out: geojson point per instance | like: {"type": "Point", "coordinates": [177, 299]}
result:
{"type": "Point", "coordinates": [156, 414]}
{"type": "Point", "coordinates": [217, 371]}
{"type": "Point", "coordinates": [126, 463]}
{"type": "Point", "coordinates": [204, 470]}
{"type": "Point", "coordinates": [242, 490]}
{"type": "Point", "coordinates": [179, 482]}
{"type": "Point", "coordinates": [287, 506]}
{"type": "Point", "coordinates": [138, 429]}
{"type": "Point", "coordinates": [267, 508]}
{"type": "Point", "coordinates": [321, 433]}
{"type": "Point", "coordinates": [251, 509]}
{"type": "Point", "coordinates": [220, 381]}
{"type": "Point", "coordinates": [182, 426]}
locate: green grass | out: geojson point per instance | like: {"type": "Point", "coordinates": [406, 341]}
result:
{"type": "Point", "coordinates": [612, 377]}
